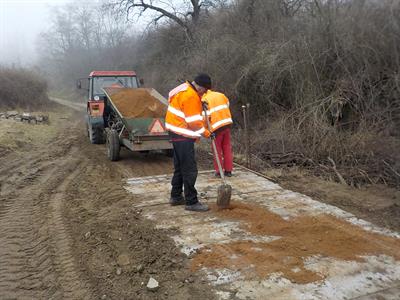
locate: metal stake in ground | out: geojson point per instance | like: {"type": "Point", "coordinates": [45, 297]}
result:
{"type": "Point", "coordinates": [224, 190]}
{"type": "Point", "coordinates": [245, 110]}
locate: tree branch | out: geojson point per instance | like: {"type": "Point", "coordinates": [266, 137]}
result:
{"type": "Point", "coordinates": [131, 4]}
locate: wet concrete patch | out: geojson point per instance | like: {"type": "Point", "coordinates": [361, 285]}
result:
{"type": "Point", "coordinates": [275, 243]}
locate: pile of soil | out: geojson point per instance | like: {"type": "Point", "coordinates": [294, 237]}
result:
{"type": "Point", "coordinates": [300, 238]}
{"type": "Point", "coordinates": [136, 103]}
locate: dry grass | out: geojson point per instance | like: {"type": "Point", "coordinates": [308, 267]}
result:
{"type": "Point", "coordinates": [359, 157]}
{"type": "Point", "coordinates": [18, 136]}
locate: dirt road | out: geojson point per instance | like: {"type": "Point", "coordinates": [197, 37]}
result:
{"type": "Point", "coordinates": [68, 229]}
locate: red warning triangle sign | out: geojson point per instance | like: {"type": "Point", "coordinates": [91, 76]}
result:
{"type": "Point", "coordinates": [156, 127]}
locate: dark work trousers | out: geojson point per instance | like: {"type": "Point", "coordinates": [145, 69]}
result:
{"type": "Point", "coordinates": [185, 173]}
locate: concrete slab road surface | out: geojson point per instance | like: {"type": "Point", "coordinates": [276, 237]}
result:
{"type": "Point", "coordinates": [274, 243]}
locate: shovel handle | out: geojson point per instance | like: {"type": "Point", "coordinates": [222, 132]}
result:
{"type": "Point", "coordinates": [218, 161]}
{"type": "Point", "coordinates": [216, 156]}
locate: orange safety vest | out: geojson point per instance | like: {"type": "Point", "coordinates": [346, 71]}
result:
{"type": "Point", "coordinates": [218, 109]}
{"type": "Point", "coordinates": [184, 114]}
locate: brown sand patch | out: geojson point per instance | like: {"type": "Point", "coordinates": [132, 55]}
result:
{"type": "Point", "coordinates": [301, 237]}
{"type": "Point", "coordinates": [135, 103]}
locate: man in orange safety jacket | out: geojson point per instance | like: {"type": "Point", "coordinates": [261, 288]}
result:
{"type": "Point", "coordinates": [185, 125]}
{"type": "Point", "coordinates": [220, 121]}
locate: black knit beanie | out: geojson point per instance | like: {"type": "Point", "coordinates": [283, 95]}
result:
{"type": "Point", "coordinates": [203, 80]}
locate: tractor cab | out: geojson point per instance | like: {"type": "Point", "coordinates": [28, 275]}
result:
{"type": "Point", "coordinates": [98, 81]}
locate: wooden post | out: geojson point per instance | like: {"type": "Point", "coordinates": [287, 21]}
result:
{"type": "Point", "coordinates": [245, 110]}
{"type": "Point", "coordinates": [248, 133]}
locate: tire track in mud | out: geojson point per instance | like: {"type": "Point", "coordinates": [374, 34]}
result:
{"type": "Point", "coordinates": [74, 287]}
{"type": "Point", "coordinates": [35, 254]}
{"type": "Point", "coordinates": [25, 255]}
{"type": "Point", "coordinates": [51, 196]}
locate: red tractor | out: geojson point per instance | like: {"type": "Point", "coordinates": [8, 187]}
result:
{"type": "Point", "coordinates": [96, 105]}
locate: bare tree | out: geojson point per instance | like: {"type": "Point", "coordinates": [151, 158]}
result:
{"type": "Point", "coordinates": [185, 13]}
{"type": "Point", "coordinates": [290, 7]}
{"type": "Point", "coordinates": [83, 19]}
{"type": "Point", "coordinates": [82, 37]}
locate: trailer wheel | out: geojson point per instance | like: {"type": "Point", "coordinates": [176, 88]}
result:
{"type": "Point", "coordinates": [96, 134]}
{"type": "Point", "coordinates": [169, 152]}
{"type": "Point", "coordinates": [113, 146]}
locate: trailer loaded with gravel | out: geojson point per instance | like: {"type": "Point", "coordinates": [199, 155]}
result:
{"type": "Point", "coordinates": [134, 119]}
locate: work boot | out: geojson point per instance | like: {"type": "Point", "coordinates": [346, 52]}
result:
{"type": "Point", "coordinates": [175, 202]}
{"type": "Point", "coordinates": [197, 207]}
{"type": "Point", "coordinates": [228, 174]}
{"type": "Point", "coordinates": [217, 175]}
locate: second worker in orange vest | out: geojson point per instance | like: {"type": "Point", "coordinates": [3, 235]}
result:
{"type": "Point", "coordinates": [220, 121]}
{"type": "Point", "coordinates": [185, 125]}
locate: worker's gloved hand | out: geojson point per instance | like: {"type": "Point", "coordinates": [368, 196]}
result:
{"type": "Point", "coordinates": [212, 136]}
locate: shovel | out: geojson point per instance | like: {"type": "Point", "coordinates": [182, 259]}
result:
{"type": "Point", "coordinates": [224, 190]}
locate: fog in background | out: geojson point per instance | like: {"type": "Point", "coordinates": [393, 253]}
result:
{"type": "Point", "coordinates": [20, 23]}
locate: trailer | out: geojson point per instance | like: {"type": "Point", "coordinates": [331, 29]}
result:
{"type": "Point", "coordinates": [134, 119]}
{"type": "Point", "coordinates": [97, 80]}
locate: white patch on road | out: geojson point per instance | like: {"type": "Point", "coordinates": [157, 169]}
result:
{"type": "Point", "coordinates": [374, 277]}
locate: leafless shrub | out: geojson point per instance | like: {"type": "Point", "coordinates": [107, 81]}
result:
{"type": "Point", "coordinates": [322, 82]}
{"type": "Point", "coordinates": [21, 88]}
{"type": "Point", "coordinates": [362, 156]}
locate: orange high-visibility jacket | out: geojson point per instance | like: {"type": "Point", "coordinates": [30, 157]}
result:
{"type": "Point", "coordinates": [218, 109]}
{"type": "Point", "coordinates": [184, 115]}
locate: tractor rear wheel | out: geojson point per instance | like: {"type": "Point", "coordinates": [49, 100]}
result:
{"type": "Point", "coordinates": [87, 130]}
{"type": "Point", "coordinates": [113, 145]}
{"type": "Point", "coordinates": [96, 134]}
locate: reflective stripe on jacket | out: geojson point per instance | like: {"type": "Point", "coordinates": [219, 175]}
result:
{"type": "Point", "coordinates": [218, 109]}
{"type": "Point", "coordinates": [184, 112]}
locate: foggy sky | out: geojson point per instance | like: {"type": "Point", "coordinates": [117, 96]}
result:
{"type": "Point", "coordinates": [20, 22]}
